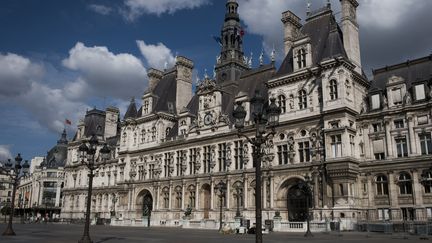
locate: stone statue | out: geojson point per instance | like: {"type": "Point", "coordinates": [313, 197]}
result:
{"type": "Point", "coordinates": [408, 99]}
{"type": "Point", "coordinates": [261, 58]}
{"type": "Point", "coordinates": [385, 102]}
{"type": "Point", "coordinates": [188, 211]}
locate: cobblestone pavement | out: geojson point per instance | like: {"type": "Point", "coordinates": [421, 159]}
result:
{"type": "Point", "coordinates": [60, 233]}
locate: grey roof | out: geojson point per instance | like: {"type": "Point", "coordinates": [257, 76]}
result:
{"type": "Point", "coordinates": [326, 40]}
{"type": "Point", "coordinates": [132, 110]}
{"type": "Point", "coordinates": [165, 91]}
{"type": "Point", "coordinates": [57, 155]}
{"type": "Point", "coordinates": [411, 71]}
{"type": "Point", "coordinates": [94, 123]}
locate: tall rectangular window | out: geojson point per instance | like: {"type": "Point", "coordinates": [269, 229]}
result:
{"type": "Point", "coordinates": [425, 143]}
{"type": "Point", "coordinates": [282, 151]}
{"type": "Point", "coordinates": [420, 92]}
{"type": "Point", "coordinates": [304, 151]}
{"type": "Point", "coordinates": [192, 160]}
{"type": "Point", "coordinates": [378, 149]}
{"type": "Point", "coordinates": [397, 96]}
{"type": "Point", "coordinates": [179, 157]}
{"type": "Point", "coordinates": [336, 145]}
{"type": "Point", "coordinates": [238, 154]}
{"type": "Point", "coordinates": [399, 123]}
{"type": "Point", "coordinates": [222, 156]}
{"type": "Point", "coordinates": [207, 159]}
{"type": "Point", "coordinates": [376, 104]}
{"type": "Point", "coordinates": [377, 127]}
{"type": "Point", "coordinates": [151, 171]}
{"type": "Point", "coordinates": [167, 160]}
{"type": "Point", "coordinates": [401, 147]}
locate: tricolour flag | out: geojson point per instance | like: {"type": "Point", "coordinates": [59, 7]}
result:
{"type": "Point", "coordinates": [68, 122]}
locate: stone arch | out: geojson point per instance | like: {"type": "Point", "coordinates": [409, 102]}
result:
{"type": "Point", "coordinates": [205, 199]}
{"type": "Point", "coordinates": [282, 199]}
{"type": "Point", "coordinates": [144, 201]}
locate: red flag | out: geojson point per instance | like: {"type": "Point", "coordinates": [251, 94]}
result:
{"type": "Point", "coordinates": [68, 122]}
{"type": "Point", "coordinates": [242, 32]}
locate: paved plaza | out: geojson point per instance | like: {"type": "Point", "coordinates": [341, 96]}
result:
{"type": "Point", "coordinates": [58, 233]}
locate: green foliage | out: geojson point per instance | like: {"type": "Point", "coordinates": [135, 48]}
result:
{"type": "Point", "coordinates": [6, 210]}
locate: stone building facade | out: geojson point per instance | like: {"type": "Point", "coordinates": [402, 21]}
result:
{"type": "Point", "coordinates": [171, 151]}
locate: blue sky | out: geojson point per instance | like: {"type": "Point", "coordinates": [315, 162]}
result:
{"type": "Point", "coordinates": [59, 58]}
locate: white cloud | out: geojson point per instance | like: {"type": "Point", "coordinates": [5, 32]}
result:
{"type": "Point", "coordinates": [386, 14]}
{"type": "Point", "coordinates": [5, 153]}
{"type": "Point", "coordinates": [136, 8]}
{"type": "Point", "coordinates": [100, 9]}
{"type": "Point", "coordinates": [104, 73]}
{"type": "Point", "coordinates": [156, 55]}
{"type": "Point", "coordinates": [16, 74]}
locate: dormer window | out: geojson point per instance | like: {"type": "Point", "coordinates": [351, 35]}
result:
{"type": "Point", "coordinates": [282, 103]}
{"type": "Point", "coordinates": [301, 58]}
{"type": "Point", "coordinates": [419, 92]}
{"type": "Point", "coordinates": [399, 124]}
{"type": "Point", "coordinates": [375, 102]}
{"type": "Point", "coordinates": [397, 96]}
{"type": "Point", "coordinates": [146, 107]}
{"type": "Point", "coordinates": [302, 96]}
{"type": "Point", "coordinates": [333, 90]}
{"type": "Point", "coordinates": [153, 134]}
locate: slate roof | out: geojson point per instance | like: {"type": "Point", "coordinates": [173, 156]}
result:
{"type": "Point", "coordinates": [326, 40]}
{"type": "Point", "coordinates": [411, 71]}
{"type": "Point", "coordinates": [56, 156]}
{"type": "Point", "coordinates": [94, 122]}
{"type": "Point", "coordinates": [132, 110]}
{"type": "Point", "coordinates": [165, 91]}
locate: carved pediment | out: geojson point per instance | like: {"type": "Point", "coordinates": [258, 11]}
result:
{"type": "Point", "coordinates": [395, 80]}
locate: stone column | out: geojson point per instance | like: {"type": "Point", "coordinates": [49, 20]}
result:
{"type": "Point", "coordinates": [245, 192]}
{"type": "Point", "coordinates": [412, 141]}
{"type": "Point", "coordinates": [389, 139]}
{"type": "Point", "coordinates": [211, 194]}
{"type": "Point", "coordinates": [183, 196]}
{"type": "Point", "coordinates": [393, 195]}
{"type": "Point", "coordinates": [57, 201]}
{"type": "Point", "coordinates": [417, 189]}
{"type": "Point", "coordinates": [228, 194]}
{"type": "Point", "coordinates": [157, 196]}
{"type": "Point", "coordinates": [264, 193]}
{"type": "Point", "coordinates": [316, 190]}
{"type": "Point", "coordinates": [271, 191]}
{"type": "Point", "coordinates": [197, 195]}
{"type": "Point", "coordinates": [170, 196]}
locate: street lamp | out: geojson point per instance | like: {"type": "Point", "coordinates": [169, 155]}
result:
{"type": "Point", "coordinates": [15, 173]}
{"type": "Point", "coordinates": [89, 159]}
{"type": "Point", "coordinates": [221, 188]}
{"type": "Point", "coordinates": [306, 188]}
{"type": "Point", "coordinates": [264, 116]}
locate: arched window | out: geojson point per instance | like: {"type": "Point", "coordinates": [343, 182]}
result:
{"type": "Point", "coordinates": [165, 194]}
{"type": "Point", "coordinates": [178, 192]}
{"type": "Point", "coordinates": [427, 181]}
{"type": "Point", "coordinates": [282, 103]}
{"type": "Point", "coordinates": [124, 137]}
{"type": "Point", "coordinates": [382, 185]}
{"type": "Point", "coordinates": [302, 97]}
{"type": "Point", "coordinates": [333, 89]}
{"type": "Point", "coordinates": [301, 58]}
{"type": "Point", "coordinates": [146, 107]}
{"type": "Point", "coordinates": [405, 186]}
{"type": "Point", "coordinates": [135, 138]}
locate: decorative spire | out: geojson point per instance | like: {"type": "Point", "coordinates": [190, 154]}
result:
{"type": "Point", "coordinates": [273, 55]}
{"type": "Point", "coordinates": [250, 60]}
{"type": "Point", "coordinates": [205, 74]}
{"type": "Point", "coordinates": [261, 58]}
{"type": "Point", "coordinates": [328, 4]}
{"type": "Point", "coordinates": [308, 8]}
{"type": "Point", "coordinates": [165, 66]}
{"type": "Point", "coordinates": [63, 138]}
{"type": "Point", "coordinates": [214, 72]}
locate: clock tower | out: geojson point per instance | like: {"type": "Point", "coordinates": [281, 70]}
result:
{"type": "Point", "coordinates": [231, 62]}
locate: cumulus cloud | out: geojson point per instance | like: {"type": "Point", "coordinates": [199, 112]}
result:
{"type": "Point", "coordinates": [100, 9]}
{"type": "Point", "coordinates": [156, 55]}
{"type": "Point", "coordinates": [5, 153]}
{"type": "Point", "coordinates": [104, 73]}
{"type": "Point", "coordinates": [16, 74]}
{"type": "Point", "coordinates": [136, 8]}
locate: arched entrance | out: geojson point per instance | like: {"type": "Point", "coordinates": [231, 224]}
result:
{"type": "Point", "coordinates": [145, 205]}
{"type": "Point", "coordinates": [206, 197]}
{"type": "Point", "coordinates": [297, 204]}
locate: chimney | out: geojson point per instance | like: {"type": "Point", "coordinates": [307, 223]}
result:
{"type": "Point", "coordinates": [184, 69]}
{"type": "Point", "coordinates": [154, 76]}
{"type": "Point", "coordinates": [292, 27]}
{"type": "Point", "coordinates": [111, 119]}
{"type": "Point", "coordinates": [350, 30]}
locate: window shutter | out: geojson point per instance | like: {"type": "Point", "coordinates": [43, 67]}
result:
{"type": "Point", "coordinates": [378, 146]}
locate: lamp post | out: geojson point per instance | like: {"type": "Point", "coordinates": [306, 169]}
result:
{"type": "Point", "coordinates": [221, 188]}
{"type": "Point", "coordinates": [89, 159]}
{"type": "Point", "coordinates": [265, 116]}
{"type": "Point", "coordinates": [15, 172]}
{"type": "Point", "coordinates": [306, 188]}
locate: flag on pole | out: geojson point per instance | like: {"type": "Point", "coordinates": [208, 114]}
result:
{"type": "Point", "coordinates": [68, 122]}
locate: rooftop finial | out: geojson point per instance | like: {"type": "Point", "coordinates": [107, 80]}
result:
{"type": "Point", "coordinates": [250, 60]}
{"type": "Point", "coordinates": [328, 4]}
{"type": "Point", "coordinates": [308, 9]}
{"type": "Point", "coordinates": [273, 55]}
{"type": "Point", "coordinates": [205, 74]}
{"type": "Point", "coordinates": [214, 72]}
{"type": "Point", "coordinates": [166, 66]}
{"type": "Point", "coordinates": [261, 58]}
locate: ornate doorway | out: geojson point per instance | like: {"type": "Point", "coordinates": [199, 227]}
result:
{"type": "Point", "coordinates": [297, 204]}
{"type": "Point", "coordinates": [206, 200]}
{"type": "Point", "coordinates": [147, 206]}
